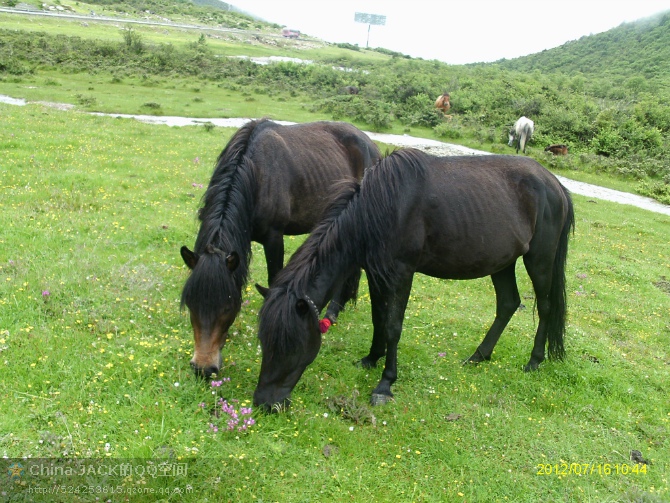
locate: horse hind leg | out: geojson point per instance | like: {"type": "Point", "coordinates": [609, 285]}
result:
{"type": "Point", "coordinates": [540, 272]}
{"type": "Point", "coordinates": [507, 302]}
{"type": "Point", "coordinates": [546, 268]}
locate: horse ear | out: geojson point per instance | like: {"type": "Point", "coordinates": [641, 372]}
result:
{"type": "Point", "coordinates": [190, 258]}
{"type": "Point", "coordinates": [302, 307]}
{"type": "Point", "coordinates": [232, 261]}
{"type": "Point", "coordinates": [262, 290]}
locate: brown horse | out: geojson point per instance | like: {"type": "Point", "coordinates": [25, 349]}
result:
{"type": "Point", "coordinates": [442, 103]}
{"type": "Point", "coordinates": [269, 181]}
{"type": "Point", "coordinates": [557, 149]}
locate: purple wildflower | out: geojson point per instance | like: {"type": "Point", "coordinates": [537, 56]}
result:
{"type": "Point", "coordinates": [239, 420]}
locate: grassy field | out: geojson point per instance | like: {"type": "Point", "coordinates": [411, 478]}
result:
{"type": "Point", "coordinates": [94, 348]}
{"type": "Point", "coordinates": [223, 43]}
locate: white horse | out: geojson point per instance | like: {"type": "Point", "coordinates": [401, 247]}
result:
{"type": "Point", "coordinates": [521, 133]}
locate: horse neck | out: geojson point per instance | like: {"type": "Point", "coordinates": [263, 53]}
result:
{"type": "Point", "coordinates": [329, 282]}
{"type": "Point", "coordinates": [227, 214]}
{"type": "Point", "coordinates": [321, 266]}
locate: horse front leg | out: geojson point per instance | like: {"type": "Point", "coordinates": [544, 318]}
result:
{"type": "Point", "coordinates": [378, 346]}
{"type": "Point", "coordinates": [388, 308]}
{"type": "Point", "coordinates": [273, 246]}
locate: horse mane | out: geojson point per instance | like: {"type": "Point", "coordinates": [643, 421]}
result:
{"type": "Point", "coordinates": [354, 230]}
{"type": "Point", "coordinates": [225, 225]}
{"type": "Point", "coordinates": [277, 315]}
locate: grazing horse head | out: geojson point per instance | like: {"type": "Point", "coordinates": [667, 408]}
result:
{"type": "Point", "coordinates": [521, 133]}
{"type": "Point", "coordinates": [213, 304]}
{"type": "Point", "coordinates": [291, 340]}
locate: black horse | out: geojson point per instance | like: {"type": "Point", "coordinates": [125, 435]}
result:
{"type": "Point", "coordinates": [447, 217]}
{"type": "Point", "coordinates": [270, 180]}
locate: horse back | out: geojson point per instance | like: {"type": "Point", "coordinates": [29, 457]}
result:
{"type": "Point", "coordinates": [297, 166]}
{"type": "Point", "coordinates": [474, 215]}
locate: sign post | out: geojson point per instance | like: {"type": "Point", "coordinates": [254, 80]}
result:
{"type": "Point", "coordinates": [369, 19]}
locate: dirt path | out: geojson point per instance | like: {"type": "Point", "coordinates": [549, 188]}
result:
{"type": "Point", "coordinates": [581, 188]}
{"type": "Point", "coordinates": [431, 146]}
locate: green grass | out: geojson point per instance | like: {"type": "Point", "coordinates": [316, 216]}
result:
{"type": "Point", "coordinates": [222, 43]}
{"type": "Point", "coordinates": [184, 97]}
{"type": "Point", "coordinates": [92, 344]}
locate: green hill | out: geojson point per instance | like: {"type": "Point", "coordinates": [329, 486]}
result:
{"type": "Point", "coordinates": [640, 49]}
{"type": "Point", "coordinates": [605, 95]}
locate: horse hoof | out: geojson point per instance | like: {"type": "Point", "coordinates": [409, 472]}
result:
{"type": "Point", "coordinates": [365, 363]}
{"type": "Point", "coordinates": [531, 367]}
{"type": "Point", "coordinates": [379, 399]}
{"type": "Point", "coordinates": [476, 358]}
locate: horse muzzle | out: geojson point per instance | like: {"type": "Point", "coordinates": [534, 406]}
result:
{"type": "Point", "coordinates": [206, 371]}
{"type": "Point", "coordinates": [270, 405]}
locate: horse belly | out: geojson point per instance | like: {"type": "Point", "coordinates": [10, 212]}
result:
{"type": "Point", "coordinates": [473, 243]}
{"type": "Point", "coordinates": [474, 260]}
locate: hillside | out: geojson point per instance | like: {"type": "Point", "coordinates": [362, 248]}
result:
{"type": "Point", "coordinates": [604, 96]}
{"type": "Point", "coordinates": [640, 49]}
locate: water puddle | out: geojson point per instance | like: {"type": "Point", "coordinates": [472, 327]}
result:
{"type": "Point", "coordinates": [12, 101]}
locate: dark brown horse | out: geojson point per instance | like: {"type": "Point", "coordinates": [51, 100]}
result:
{"type": "Point", "coordinates": [270, 180]}
{"type": "Point", "coordinates": [447, 217]}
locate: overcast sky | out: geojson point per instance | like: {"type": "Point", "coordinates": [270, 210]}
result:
{"type": "Point", "coordinates": [456, 32]}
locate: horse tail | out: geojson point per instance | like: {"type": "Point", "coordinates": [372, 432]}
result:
{"type": "Point", "coordinates": [557, 292]}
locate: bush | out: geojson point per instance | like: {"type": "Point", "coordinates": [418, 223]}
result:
{"type": "Point", "coordinates": [373, 112]}
{"type": "Point", "coordinates": [133, 40]}
{"type": "Point", "coordinates": [418, 110]}
{"type": "Point", "coordinates": [659, 190]}
{"type": "Point", "coordinates": [86, 101]}
{"type": "Point", "coordinates": [449, 130]}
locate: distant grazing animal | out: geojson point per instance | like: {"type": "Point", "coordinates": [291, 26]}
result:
{"type": "Point", "coordinates": [350, 90]}
{"type": "Point", "coordinates": [461, 217]}
{"type": "Point", "coordinates": [557, 149]}
{"type": "Point", "coordinates": [521, 133]}
{"type": "Point", "coordinates": [270, 180]}
{"type": "Point", "coordinates": [442, 103]}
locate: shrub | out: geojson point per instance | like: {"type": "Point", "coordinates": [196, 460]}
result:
{"type": "Point", "coordinates": [418, 110]}
{"type": "Point", "coordinates": [449, 130]}
{"type": "Point", "coordinates": [86, 101]}
{"type": "Point", "coordinates": [373, 112]}
{"type": "Point", "coordinates": [133, 40]}
{"type": "Point", "coordinates": [659, 190]}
